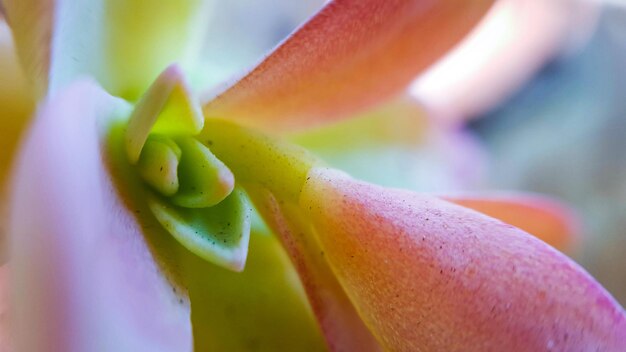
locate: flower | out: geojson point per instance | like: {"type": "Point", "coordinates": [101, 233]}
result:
{"type": "Point", "coordinates": [381, 268]}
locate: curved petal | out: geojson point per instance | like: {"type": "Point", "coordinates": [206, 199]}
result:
{"type": "Point", "coordinates": [429, 275]}
{"type": "Point", "coordinates": [124, 44]}
{"type": "Point", "coordinates": [351, 55]}
{"type": "Point", "coordinates": [545, 218]}
{"type": "Point", "coordinates": [6, 335]}
{"type": "Point", "coordinates": [83, 277]}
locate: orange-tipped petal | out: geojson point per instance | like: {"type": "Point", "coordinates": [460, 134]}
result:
{"type": "Point", "coordinates": [83, 277]}
{"type": "Point", "coordinates": [351, 55]}
{"type": "Point", "coordinates": [342, 327]}
{"type": "Point", "coordinates": [545, 218]}
{"type": "Point", "coordinates": [428, 275]}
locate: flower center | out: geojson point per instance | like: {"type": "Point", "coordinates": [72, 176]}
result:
{"type": "Point", "coordinates": [183, 158]}
{"type": "Point", "coordinates": [192, 193]}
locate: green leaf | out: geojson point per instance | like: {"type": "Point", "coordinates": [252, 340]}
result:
{"type": "Point", "coordinates": [158, 164]}
{"type": "Point", "coordinates": [168, 107]}
{"type": "Point", "coordinates": [219, 234]}
{"type": "Point", "coordinates": [204, 179]}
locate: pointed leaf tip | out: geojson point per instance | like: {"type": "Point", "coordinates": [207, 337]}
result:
{"type": "Point", "coordinates": [219, 234]}
{"type": "Point", "coordinates": [168, 107]}
{"type": "Point", "coordinates": [426, 274]}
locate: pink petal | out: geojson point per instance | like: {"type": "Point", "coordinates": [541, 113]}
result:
{"type": "Point", "coordinates": [429, 275]}
{"type": "Point", "coordinates": [83, 277]}
{"type": "Point", "coordinates": [351, 55]}
{"type": "Point", "coordinates": [545, 218]}
{"type": "Point", "coordinates": [6, 336]}
{"type": "Point", "coordinates": [342, 327]}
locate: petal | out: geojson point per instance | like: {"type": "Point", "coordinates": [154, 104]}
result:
{"type": "Point", "coordinates": [342, 327]}
{"type": "Point", "coordinates": [429, 275]}
{"type": "Point", "coordinates": [124, 44]}
{"type": "Point", "coordinates": [348, 57]}
{"type": "Point", "coordinates": [84, 278]}
{"type": "Point", "coordinates": [545, 218]}
{"type": "Point", "coordinates": [6, 336]}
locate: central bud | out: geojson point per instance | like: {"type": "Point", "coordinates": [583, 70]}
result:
{"type": "Point", "coordinates": [191, 192]}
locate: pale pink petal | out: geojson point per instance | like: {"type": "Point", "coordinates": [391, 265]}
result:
{"type": "Point", "coordinates": [350, 56]}
{"type": "Point", "coordinates": [83, 278]}
{"type": "Point", "coordinates": [6, 336]}
{"type": "Point", "coordinates": [545, 218]}
{"type": "Point", "coordinates": [342, 327]}
{"type": "Point", "coordinates": [429, 275]}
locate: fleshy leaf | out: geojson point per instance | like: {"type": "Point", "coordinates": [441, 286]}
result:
{"type": "Point", "coordinates": [426, 274]}
{"type": "Point", "coordinates": [204, 179]}
{"type": "Point", "coordinates": [262, 308]}
{"type": "Point", "coordinates": [342, 327]}
{"type": "Point", "coordinates": [83, 277]}
{"type": "Point", "coordinates": [6, 332]}
{"type": "Point", "coordinates": [257, 158]}
{"type": "Point", "coordinates": [219, 234]}
{"type": "Point", "coordinates": [540, 216]}
{"type": "Point", "coordinates": [350, 56]}
{"type": "Point", "coordinates": [167, 107]}
{"type": "Point", "coordinates": [158, 164]}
